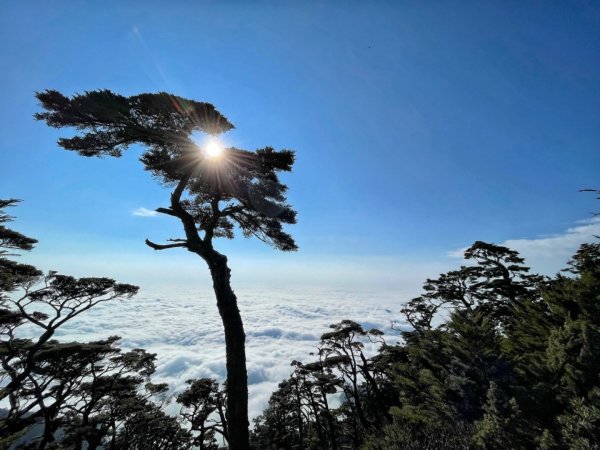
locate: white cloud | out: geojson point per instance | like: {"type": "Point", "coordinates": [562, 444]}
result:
{"type": "Point", "coordinates": [144, 212]}
{"type": "Point", "coordinates": [176, 316]}
{"type": "Point", "coordinates": [548, 254]}
{"type": "Point", "coordinates": [184, 328]}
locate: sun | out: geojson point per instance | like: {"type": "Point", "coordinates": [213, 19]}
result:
{"type": "Point", "coordinates": [213, 149]}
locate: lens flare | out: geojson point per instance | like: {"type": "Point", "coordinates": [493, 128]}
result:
{"type": "Point", "coordinates": [213, 149]}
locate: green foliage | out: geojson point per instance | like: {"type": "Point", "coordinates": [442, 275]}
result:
{"type": "Point", "coordinates": [512, 362]}
{"type": "Point", "coordinates": [429, 435]}
{"type": "Point", "coordinates": [501, 424]}
{"type": "Point", "coordinates": [580, 425]}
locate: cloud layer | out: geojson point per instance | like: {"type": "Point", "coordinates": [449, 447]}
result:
{"type": "Point", "coordinates": [184, 328]}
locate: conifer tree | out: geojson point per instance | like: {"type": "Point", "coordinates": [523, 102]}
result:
{"type": "Point", "coordinates": [210, 196]}
{"type": "Point", "coordinates": [501, 425]}
{"type": "Point", "coordinates": [203, 409]}
{"type": "Point", "coordinates": [42, 377]}
{"type": "Point", "coordinates": [580, 424]}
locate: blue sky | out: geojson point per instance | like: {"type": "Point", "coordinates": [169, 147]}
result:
{"type": "Point", "coordinates": [419, 127]}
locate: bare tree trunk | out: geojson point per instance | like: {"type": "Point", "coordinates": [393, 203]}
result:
{"type": "Point", "coordinates": [236, 430]}
{"type": "Point", "coordinates": [299, 414]}
{"type": "Point", "coordinates": [329, 418]}
{"type": "Point", "coordinates": [235, 340]}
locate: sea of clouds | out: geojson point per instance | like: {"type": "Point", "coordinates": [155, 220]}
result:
{"type": "Point", "coordinates": [184, 329]}
{"type": "Point", "coordinates": [182, 326]}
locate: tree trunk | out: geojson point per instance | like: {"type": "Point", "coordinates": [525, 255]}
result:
{"type": "Point", "coordinates": [235, 340]}
{"type": "Point", "coordinates": [299, 413]}
{"type": "Point", "coordinates": [329, 418]}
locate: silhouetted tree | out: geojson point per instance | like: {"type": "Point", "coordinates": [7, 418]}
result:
{"type": "Point", "coordinates": [146, 426]}
{"type": "Point", "coordinates": [203, 408]}
{"type": "Point", "coordinates": [497, 283]}
{"type": "Point", "coordinates": [45, 380]}
{"type": "Point", "coordinates": [279, 427]}
{"type": "Point", "coordinates": [27, 297]}
{"type": "Point", "coordinates": [108, 384]}
{"type": "Point", "coordinates": [13, 276]}
{"type": "Point", "coordinates": [71, 383]}
{"type": "Point", "coordinates": [300, 413]}
{"type": "Point", "coordinates": [210, 196]}
{"type": "Point", "coordinates": [511, 361]}
{"type": "Point", "coordinates": [316, 381]}
{"type": "Point", "coordinates": [342, 349]}
{"type": "Point", "coordinates": [63, 298]}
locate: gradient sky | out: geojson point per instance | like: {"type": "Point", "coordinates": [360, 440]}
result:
{"type": "Point", "coordinates": [419, 127]}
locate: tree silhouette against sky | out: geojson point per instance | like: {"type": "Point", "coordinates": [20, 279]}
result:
{"type": "Point", "coordinates": [214, 191]}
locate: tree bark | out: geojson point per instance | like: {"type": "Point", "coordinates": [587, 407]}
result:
{"type": "Point", "coordinates": [235, 350]}
{"type": "Point", "coordinates": [237, 432]}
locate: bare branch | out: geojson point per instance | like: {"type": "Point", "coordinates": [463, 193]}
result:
{"type": "Point", "coordinates": [165, 246]}
{"type": "Point", "coordinates": [167, 211]}
{"type": "Point", "coordinates": [176, 195]}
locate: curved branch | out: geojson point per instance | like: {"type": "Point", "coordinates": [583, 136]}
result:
{"type": "Point", "coordinates": [176, 195]}
{"type": "Point", "coordinates": [194, 242]}
{"type": "Point", "coordinates": [209, 229]}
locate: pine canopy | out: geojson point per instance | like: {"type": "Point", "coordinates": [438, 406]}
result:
{"type": "Point", "coordinates": [240, 187]}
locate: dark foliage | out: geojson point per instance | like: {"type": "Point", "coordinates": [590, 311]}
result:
{"type": "Point", "coordinates": [211, 197]}
{"type": "Point", "coordinates": [204, 412]}
{"type": "Point", "coordinates": [497, 358]}
{"type": "Point", "coordinates": [241, 187]}
{"type": "Point", "coordinates": [73, 395]}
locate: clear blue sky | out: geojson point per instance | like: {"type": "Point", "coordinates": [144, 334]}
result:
{"type": "Point", "coordinates": [419, 127]}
